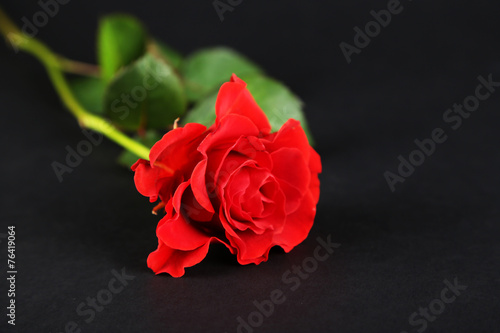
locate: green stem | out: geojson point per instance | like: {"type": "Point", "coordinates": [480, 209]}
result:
{"type": "Point", "coordinates": [54, 67]}
{"type": "Point", "coordinates": [77, 67]}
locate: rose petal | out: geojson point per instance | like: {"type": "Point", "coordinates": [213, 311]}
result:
{"type": "Point", "coordinates": [227, 132]}
{"type": "Point", "coordinates": [148, 180]}
{"type": "Point", "coordinates": [253, 149]}
{"type": "Point", "coordinates": [232, 197]}
{"type": "Point", "coordinates": [175, 230]}
{"type": "Point", "coordinates": [168, 260]}
{"type": "Point", "coordinates": [291, 135]}
{"type": "Point", "coordinates": [192, 208]}
{"type": "Point", "coordinates": [297, 226]}
{"type": "Point", "coordinates": [234, 98]}
{"type": "Point", "coordinates": [199, 186]}
{"type": "Point", "coordinates": [179, 141]}
{"type": "Point", "coordinates": [232, 164]}
{"type": "Point", "coordinates": [170, 159]}
{"type": "Point", "coordinates": [293, 174]}
{"type": "Point", "coordinates": [251, 248]}
{"type": "Point", "coordinates": [179, 234]}
{"type": "Point", "coordinates": [315, 161]}
{"type": "Point", "coordinates": [275, 216]}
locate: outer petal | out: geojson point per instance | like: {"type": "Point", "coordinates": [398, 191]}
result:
{"type": "Point", "coordinates": [228, 131]}
{"type": "Point", "coordinates": [251, 248]}
{"type": "Point", "coordinates": [293, 173]}
{"type": "Point", "coordinates": [171, 261]}
{"type": "Point", "coordinates": [176, 142]}
{"type": "Point", "coordinates": [290, 135]}
{"type": "Point", "coordinates": [171, 158]}
{"type": "Point", "coordinates": [234, 98]}
{"type": "Point", "coordinates": [149, 181]}
{"type": "Point", "coordinates": [199, 185]}
{"type": "Point", "coordinates": [178, 233]}
{"type": "Point", "coordinates": [298, 224]}
{"type": "Point", "coordinates": [315, 166]}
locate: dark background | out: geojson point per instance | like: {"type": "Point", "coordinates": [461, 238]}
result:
{"type": "Point", "coordinates": [396, 247]}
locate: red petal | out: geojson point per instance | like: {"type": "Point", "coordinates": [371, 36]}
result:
{"type": "Point", "coordinates": [298, 224]}
{"type": "Point", "coordinates": [192, 208]}
{"type": "Point", "coordinates": [150, 181]}
{"type": "Point", "coordinates": [293, 174]}
{"type": "Point", "coordinates": [315, 166]}
{"type": "Point", "coordinates": [228, 131]}
{"type": "Point", "coordinates": [315, 161]}
{"type": "Point", "coordinates": [171, 261]}
{"type": "Point", "coordinates": [180, 138]}
{"type": "Point", "coordinates": [291, 135]}
{"type": "Point", "coordinates": [234, 98]}
{"type": "Point", "coordinates": [171, 158]}
{"type": "Point", "coordinates": [251, 248]}
{"type": "Point", "coordinates": [175, 231]}
{"type": "Point", "coordinates": [179, 234]}
{"type": "Point", "coordinates": [199, 186]}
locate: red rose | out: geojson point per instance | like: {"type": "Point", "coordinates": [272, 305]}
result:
{"type": "Point", "coordinates": [234, 183]}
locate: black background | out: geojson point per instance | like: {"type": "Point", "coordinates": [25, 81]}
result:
{"type": "Point", "coordinates": [396, 247]}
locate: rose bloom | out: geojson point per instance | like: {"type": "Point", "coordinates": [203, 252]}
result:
{"type": "Point", "coordinates": [234, 183]}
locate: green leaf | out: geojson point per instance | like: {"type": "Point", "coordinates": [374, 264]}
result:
{"type": "Point", "coordinates": [121, 39]}
{"type": "Point", "coordinates": [145, 94]}
{"type": "Point", "coordinates": [205, 70]}
{"type": "Point", "coordinates": [89, 91]}
{"type": "Point", "coordinates": [203, 112]}
{"type": "Point", "coordinates": [172, 57]}
{"type": "Point", "coordinates": [128, 158]}
{"type": "Point", "coordinates": [274, 98]}
{"type": "Point", "coordinates": [278, 102]}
